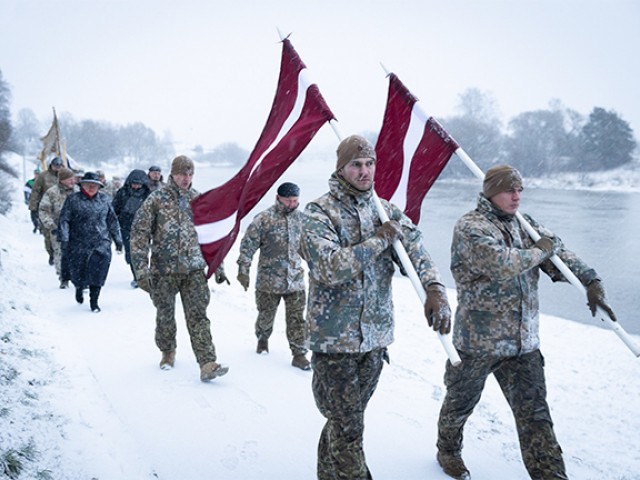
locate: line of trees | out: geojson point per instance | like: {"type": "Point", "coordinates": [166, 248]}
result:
{"type": "Point", "coordinates": [539, 142]}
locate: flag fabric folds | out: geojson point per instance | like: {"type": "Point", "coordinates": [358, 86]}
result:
{"type": "Point", "coordinates": [297, 113]}
{"type": "Point", "coordinates": [50, 142]}
{"type": "Point", "coordinates": [412, 151]}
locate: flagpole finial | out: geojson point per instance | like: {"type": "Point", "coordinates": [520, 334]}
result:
{"type": "Point", "coordinates": [386, 72]}
{"type": "Point", "coordinates": [282, 37]}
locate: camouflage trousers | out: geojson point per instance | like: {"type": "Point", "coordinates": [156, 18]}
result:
{"type": "Point", "coordinates": [195, 295]}
{"type": "Point", "coordinates": [297, 330]}
{"type": "Point", "coordinates": [522, 382]}
{"type": "Point", "coordinates": [57, 254]}
{"type": "Point", "coordinates": [46, 233]}
{"type": "Point", "coordinates": [342, 387]}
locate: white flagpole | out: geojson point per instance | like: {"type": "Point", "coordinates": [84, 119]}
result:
{"type": "Point", "coordinates": [410, 270]}
{"type": "Point", "coordinates": [452, 353]}
{"type": "Point", "coordinates": [557, 261]}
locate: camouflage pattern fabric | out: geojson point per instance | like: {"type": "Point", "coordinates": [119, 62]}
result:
{"type": "Point", "coordinates": [276, 232]}
{"type": "Point", "coordinates": [350, 308]}
{"type": "Point", "coordinates": [195, 295]}
{"type": "Point", "coordinates": [43, 183]}
{"type": "Point", "coordinates": [294, 302]}
{"type": "Point", "coordinates": [342, 387]}
{"type": "Point", "coordinates": [522, 381]}
{"type": "Point", "coordinates": [164, 224]}
{"type": "Point", "coordinates": [49, 213]}
{"type": "Point", "coordinates": [496, 270]}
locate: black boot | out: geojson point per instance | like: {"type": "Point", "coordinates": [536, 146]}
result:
{"type": "Point", "coordinates": [79, 296]}
{"type": "Point", "coordinates": [94, 293]}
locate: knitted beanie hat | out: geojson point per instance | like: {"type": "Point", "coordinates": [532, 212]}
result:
{"type": "Point", "coordinates": [182, 165]}
{"type": "Point", "coordinates": [288, 189]}
{"type": "Point", "coordinates": [353, 147]}
{"type": "Point", "coordinates": [65, 173]}
{"type": "Point", "coordinates": [500, 178]}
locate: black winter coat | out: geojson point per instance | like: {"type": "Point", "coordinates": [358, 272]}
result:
{"type": "Point", "coordinates": [86, 228]}
{"type": "Point", "coordinates": [127, 202]}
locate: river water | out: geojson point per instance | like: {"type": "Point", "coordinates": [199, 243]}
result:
{"type": "Point", "coordinates": [602, 227]}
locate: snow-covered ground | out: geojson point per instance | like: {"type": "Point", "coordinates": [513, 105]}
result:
{"type": "Point", "coordinates": [83, 397]}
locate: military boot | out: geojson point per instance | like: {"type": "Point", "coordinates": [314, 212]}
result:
{"type": "Point", "coordinates": [79, 296]}
{"type": "Point", "coordinates": [94, 293]}
{"type": "Point", "coordinates": [301, 362]}
{"type": "Point", "coordinates": [263, 345]}
{"type": "Point", "coordinates": [168, 359]}
{"type": "Point", "coordinates": [453, 465]}
{"type": "Point", "coordinates": [211, 370]}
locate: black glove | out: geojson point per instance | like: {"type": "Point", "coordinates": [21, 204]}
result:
{"type": "Point", "coordinates": [389, 231]}
{"type": "Point", "coordinates": [437, 310]}
{"type": "Point", "coordinates": [64, 246]}
{"type": "Point", "coordinates": [119, 247]}
{"type": "Point", "coordinates": [144, 283]}
{"type": "Point", "coordinates": [597, 298]}
{"type": "Point", "coordinates": [220, 277]}
{"type": "Point", "coordinates": [243, 278]}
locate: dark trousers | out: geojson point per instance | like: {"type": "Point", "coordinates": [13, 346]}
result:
{"type": "Point", "coordinates": [342, 387]}
{"type": "Point", "coordinates": [522, 382]}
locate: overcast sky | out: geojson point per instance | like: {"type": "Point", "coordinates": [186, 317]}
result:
{"type": "Point", "coordinates": [207, 70]}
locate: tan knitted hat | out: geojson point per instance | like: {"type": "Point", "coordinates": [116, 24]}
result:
{"type": "Point", "coordinates": [65, 173]}
{"type": "Point", "coordinates": [500, 178]}
{"type": "Point", "coordinates": [182, 165]}
{"type": "Point", "coordinates": [353, 147]}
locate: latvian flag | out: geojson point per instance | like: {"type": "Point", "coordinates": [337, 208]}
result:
{"type": "Point", "coordinates": [297, 113]}
{"type": "Point", "coordinates": [412, 150]}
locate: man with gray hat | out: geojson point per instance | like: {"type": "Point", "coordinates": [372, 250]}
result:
{"type": "Point", "coordinates": [496, 266]}
{"type": "Point", "coordinates": [164, 226]}
{"type": "Point", "coordinates": [276, 233]}
{"type": "Point", "coordinates": [350, 310]}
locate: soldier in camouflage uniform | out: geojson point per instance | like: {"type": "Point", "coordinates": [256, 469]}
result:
{"type": "Point", "coordinates": [496, 267]}
{"type": "Point", "coordinates": [276, 232]}
{"type": "Point", "coordinates": [44, 182]}
{"type": "Point", "coordinates": [49, 213]}
{"type": "Point", "coordinates": [164, 224]}
{"type": "Point", "coordinates": [350, 310]}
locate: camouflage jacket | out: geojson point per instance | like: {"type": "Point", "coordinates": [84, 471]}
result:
{"type": "Point", "coordinates": [350, 306]}
{"type": "Point", "coordinates": [496, 269]}
{"type": "Point", "coordinates": [164, 224]}
{"type": "Point", "coordinates": [276, 232]}
{"type": "Point", "coordinates": [51, 205]}
{"type": "Point", "coordinates": [44, 182]}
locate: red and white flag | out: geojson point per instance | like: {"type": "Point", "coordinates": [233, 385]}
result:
{"type": "Point", "coordinates": [412, 150]}
{"type": "Point", "coordinates": [297, 113]}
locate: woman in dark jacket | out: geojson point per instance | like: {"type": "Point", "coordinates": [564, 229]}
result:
{"type": "Point", "coordinates": [86, 227]}
{"type": "Point", "coordinates": [126, 203]}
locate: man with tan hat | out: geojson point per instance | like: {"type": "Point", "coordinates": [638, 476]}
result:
{"type": "Point", "coordinates": [350, 310]}
{"type": "Point", "coordinates": [49, 213]}
{"type": "Point", "coordinates": [164, 225]}
{"type": "Point", "coordinates": [496, 266]}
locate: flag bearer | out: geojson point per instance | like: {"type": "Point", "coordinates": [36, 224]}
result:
{"type": "Point", "coordinates": [496, 267]}
{"type": "Point", "coordinates": [350, 310]}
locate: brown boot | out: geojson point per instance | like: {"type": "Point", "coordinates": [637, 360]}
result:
{"type": "Point", "coordinates": [168, 359]}
{"type": "Point", "coordinates": [263, 345]}
{"type": "Point", "coordinates": [453, 465]}
{"type": "Point", "coordinates": [301, 362]}
{"type": "Point", "coordinates": [211, 370]}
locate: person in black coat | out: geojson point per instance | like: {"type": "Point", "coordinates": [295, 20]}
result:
{"type": "Point", "coordinates": [87, 225]}
{"type": "Point", "coordinates": [126, 203]}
